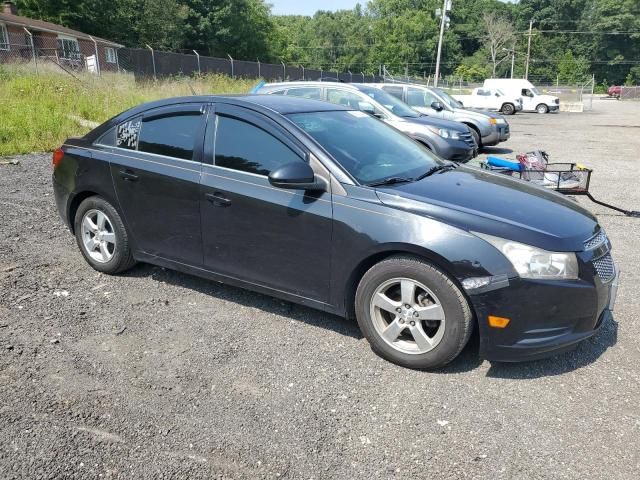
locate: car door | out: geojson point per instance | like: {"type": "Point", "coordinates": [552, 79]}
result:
{"type": "Point", "coordinates": [252, 231]}
{"type": "Point", "coordinates": [419, 98]}
{"type": "Point", "coordinates": [483, 98]}
{"type": "Point", "coordinates": [155, 167]}
{"type": "Point", "coordinates": [528, 99]}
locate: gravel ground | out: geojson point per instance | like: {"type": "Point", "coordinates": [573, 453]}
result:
{"type": "Point", "coordinates": [156, 374]}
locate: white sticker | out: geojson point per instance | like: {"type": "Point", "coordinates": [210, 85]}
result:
{"type": "Point", "coordinates": [357, 113]}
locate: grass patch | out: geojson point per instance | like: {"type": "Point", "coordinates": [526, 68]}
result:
{"type": "Point", "coordinates": [35, 108]}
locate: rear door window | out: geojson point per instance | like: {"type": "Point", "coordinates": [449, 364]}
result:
{"type": "Point", "coordinates": [395, 91]}
{"type": "Point", "coordinates": [172, 134]}
{"type": "Point", "coordinates": [307, 92]}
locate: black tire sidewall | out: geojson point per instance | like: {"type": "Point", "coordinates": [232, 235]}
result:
{"type": "Point", "coordinates": [508, 109]}
{"type": "Point", "coordinates": [458, 318]}
{"type": "Point", "coordinates": [121, 257]}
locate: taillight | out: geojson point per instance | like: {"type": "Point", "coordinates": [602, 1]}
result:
{"type": "Point", "coordinates": [58, 155]}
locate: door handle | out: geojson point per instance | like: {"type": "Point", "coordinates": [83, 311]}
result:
{"type": "Point", "coordinates": [218, 199]}
{"type": "Point", "coordinates": [128, 176]}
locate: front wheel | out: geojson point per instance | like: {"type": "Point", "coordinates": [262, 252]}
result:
{"type": "Point", "coordinates": [412, 313]}
{"type": "Point", "coordinates": [542, 108]}
{"type": "Point", "coordinates": [508, 109]}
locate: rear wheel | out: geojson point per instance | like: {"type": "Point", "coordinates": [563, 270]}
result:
{"type": "Point", "coordinates": [542, 108]}
{"type": "Point", "coordinates": [412, 313]}
{"type": "Point", "coordinates": [508, 109]}
{"type": "Point", "coordinates": [102, 237]}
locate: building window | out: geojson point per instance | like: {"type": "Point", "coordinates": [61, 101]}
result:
{"type": "Point", "coordinates": [110, 55]}
{"type": "Point", "coordinates": [4, 37]}
{"type": "Point", "coordinates": [69, 48]}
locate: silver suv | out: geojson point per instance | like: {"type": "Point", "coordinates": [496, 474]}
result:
{"type": "Point", "coordinates": [488, 128]}
{"type": "Point", "coordinates": [449, 140]}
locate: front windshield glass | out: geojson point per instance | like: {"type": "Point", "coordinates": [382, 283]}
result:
{"type": "Point", "coordinates": [370, 150]}
{"type": "Point", "coordinates": [535, 91]}
{"type": "Point", "coordinates": [500, 92]}
{"type": "Point", "coordinates": [397, 107]}
{"type": "Point", "coordinates": [448, 99]}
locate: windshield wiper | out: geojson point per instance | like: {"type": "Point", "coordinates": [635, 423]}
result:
{"type": "Point", "coordinates": [390, 181]}
{"type": "Point", "coordinates": [436, 169]}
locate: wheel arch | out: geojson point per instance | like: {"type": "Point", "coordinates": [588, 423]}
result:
{"type": "Point", "coordinates": [391, 250]}
{"type": "Point", "coordinates": [79, 197]}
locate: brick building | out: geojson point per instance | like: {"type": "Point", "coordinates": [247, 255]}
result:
{"type": "Point", "coordinates": [25, 39]}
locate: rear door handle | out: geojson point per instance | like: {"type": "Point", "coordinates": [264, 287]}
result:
{"type": "Point", "coordinates": [128, 176]}
{"type": "Point", "coordinates": [218, 199]}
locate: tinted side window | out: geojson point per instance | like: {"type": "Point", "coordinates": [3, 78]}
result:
{"type": "Point", "coordinates": [395, 91]}
{"type": "Point", "coordinates": [173, 135]}
{"type": "Point", "coordinates": [344, 98]}
{"type": "Point", "coordinates": [245, 147]}
{"type": "Point", "coordinates": [313, 93]}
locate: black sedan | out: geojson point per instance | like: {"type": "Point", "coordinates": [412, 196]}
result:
{"type": "Point", "coordinates": [331, 208]}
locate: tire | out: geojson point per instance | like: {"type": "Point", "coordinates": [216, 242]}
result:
{"type": "Point", "coordinates": [508, 109]}
{"type": "Point", "coordinates": [542, 108]}
{"type": "Point", "coordinates": [435, 295]}
{"type": "Point", "coordinates": [476, 136]}
{"type": "Point", "coordinates": [98, 225]}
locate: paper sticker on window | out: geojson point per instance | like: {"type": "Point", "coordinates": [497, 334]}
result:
{"type": "Point", "coordinates": [128, 133]}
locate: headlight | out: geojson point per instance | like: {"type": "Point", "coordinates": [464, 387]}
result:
{"type": "Point", "coordinates": [532, 262]}
{"type": "Point", "coordinates": [500, 121]}
{"type": "Point", "coordinates": [445, 133]}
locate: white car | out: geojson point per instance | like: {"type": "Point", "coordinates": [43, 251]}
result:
{"type": "Point", "coordinates": [532, 99]}
{"type": "Point", "coordinates": [491, 99]}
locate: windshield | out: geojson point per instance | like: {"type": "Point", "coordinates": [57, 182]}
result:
{"type": "Point", "coordinates": [370, 150]}
{"type": "Point", "coordinates": [448, 99]}
{"type": "Point", "coordinates": [397, 107]}
{"type": "Point", "coordinates": [535, 91]}
{"type": "Point", "coordinates": [500, 92]}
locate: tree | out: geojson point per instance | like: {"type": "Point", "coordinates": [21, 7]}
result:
{"type": "Point", "coordinates": [500, 38]}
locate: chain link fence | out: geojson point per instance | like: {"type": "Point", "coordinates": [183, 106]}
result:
{"type": "Point", "coordinates": [630, 93]}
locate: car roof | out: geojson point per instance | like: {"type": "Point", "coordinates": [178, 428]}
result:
{"type": "Point", "coordinates": [266, 104]}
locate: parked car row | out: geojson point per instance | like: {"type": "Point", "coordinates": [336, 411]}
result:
{"type": "Point", "coordinates": [329, 204]}
{"type": "Point", "coordinates": [427, 115]}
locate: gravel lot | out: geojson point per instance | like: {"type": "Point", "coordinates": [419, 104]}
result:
{"type": "Point", "coordinates": [156, 374]}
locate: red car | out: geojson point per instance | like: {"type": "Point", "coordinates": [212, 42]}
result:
{"type": "Point", "coordinates": [614, 91]}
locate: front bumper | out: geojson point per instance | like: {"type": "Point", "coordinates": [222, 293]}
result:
{"type": "Point", "coordinates": [454, 150]}
{"type": "Point", "coordinates": [547, 318]}
{"type": "Point", "coordinates": [554, 108]}
{"type": "Point", "coordinates": [492, 139]}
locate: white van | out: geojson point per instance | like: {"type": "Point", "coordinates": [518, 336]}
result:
{"type": "Point", "coordinates": [532, 99]}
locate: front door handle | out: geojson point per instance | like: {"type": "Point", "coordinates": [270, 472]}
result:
{"type": "Point", "coordinates": [218, 199]}
{"type": "Point", "coordinates": [128, 175]}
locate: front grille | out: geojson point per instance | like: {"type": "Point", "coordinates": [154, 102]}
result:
{"type": "Point", "coordinates": [557, 100]}
{"type": "Point", "coordinates": [605, 268]}
{"type": "Point", "coordinates": [468, 139]}
{"type": "Point", "coordinates": [595, 241]}
{"type": "Point", "coordinates": [506, 129]}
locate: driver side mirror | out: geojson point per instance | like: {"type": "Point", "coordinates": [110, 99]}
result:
{"type": "Point", "coordinates": [437, 106]}
{"type": "Point", "coordinates": [296, 176]}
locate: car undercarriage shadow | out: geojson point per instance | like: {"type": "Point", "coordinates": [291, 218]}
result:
{"type": "Point", "coordinates": [248, 298]}
{"type": "Point", "coordinates": [496, 150]}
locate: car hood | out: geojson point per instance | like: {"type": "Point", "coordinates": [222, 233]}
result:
{"type": "Point", "coordinates": [547, 98]}
{"type": "Point", "coordinates": [436, 122]}
{"type": "Point", "coordinates": [491, 203]}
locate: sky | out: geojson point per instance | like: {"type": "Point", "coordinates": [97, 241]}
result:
{"type": "Point", "coordinates": [309, 7]}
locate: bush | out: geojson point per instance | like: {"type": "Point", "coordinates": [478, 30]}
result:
{"type": "Point", "coordinates": [37, 110]}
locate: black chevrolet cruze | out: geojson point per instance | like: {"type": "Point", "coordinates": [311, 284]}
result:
{"type": "Point", "coordinates": [331, 208]}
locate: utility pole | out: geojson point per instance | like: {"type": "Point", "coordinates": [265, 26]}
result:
{"type": "Point", "coordinates": [513, 61]}
{"type": "Point", "coordinates": [446, 6]}
{"type": "Point", "coordinates": [526, 69]}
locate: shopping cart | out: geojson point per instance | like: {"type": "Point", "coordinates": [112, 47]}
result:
{"type": "Point", "coordinates": [566, 178]}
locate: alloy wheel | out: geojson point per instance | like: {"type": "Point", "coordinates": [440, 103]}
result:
{"type": "Point", "coordinates": [407, 315]}
{"type": "Point", "coordinates": [98, 236]}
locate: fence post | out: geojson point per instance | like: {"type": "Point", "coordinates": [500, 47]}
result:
{"type": "Point", "coordinates": [33, 48]}
{"type": "Point", "coordinates": [259, 75]}
{"type": "Point", "coordinates": [153, 61]}
{"type": "Point", "coordinates": [95, 47]}
{"type": "Point", "coordinates": [232, 72]}
{"type": "Point", "coordinates": [320, 73]}
{"type": "Point", "coordinates": [363, 81]}
{"type": "Point", "coordinates": [198, 58]}
{"type": "Point", "coordinates": [351, 76]}
{"type": "Point", "coordinates": [284, 71]}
